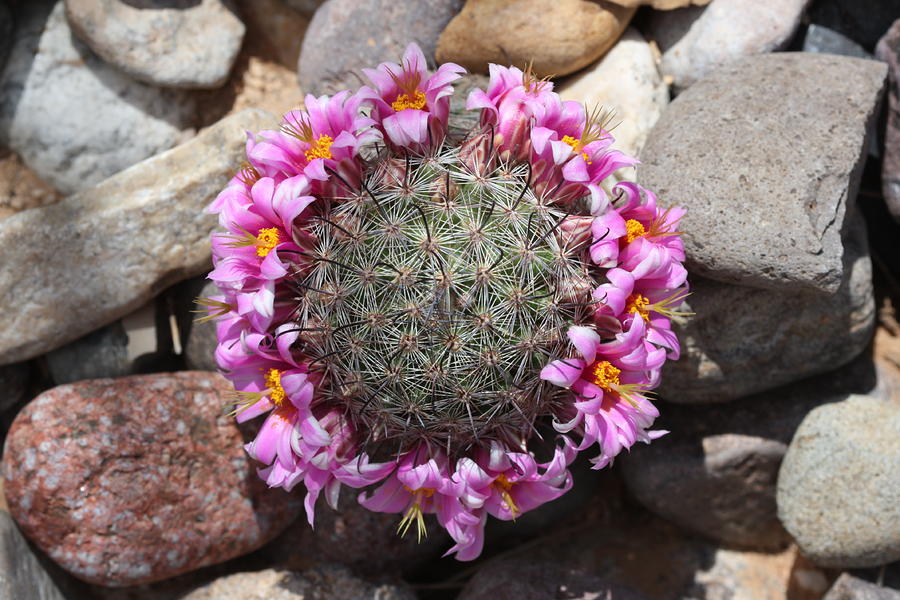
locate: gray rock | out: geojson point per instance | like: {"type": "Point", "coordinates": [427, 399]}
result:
{"type": "Point", "coordinates": [324, 582]}
{"type": "Point", "coordinates": [106, 251]}
{"type": "Point", "coordinates": [714, 474]}
{"type": "Point", "coordinates": [769, 179]}
{"type": "Point", "coordinates": [696, 41]}
{"type": "Point", "coordinates": [184, 44]}
{"type": "Point", "coordinates": [307, 7]}
{"type": "Point", "coordinates": [366, 32]}
{"type": "Point", "coordinates": [13, 384]}
{"type": "Point", "coordinates": [200, 348]}
{"type": "Point", "coordinates": [74, 119]}
{"type": "Point", "coordinates": [6, 29]}
{"type": "Point", "coordinates": [21, 575]}
{"type": "Point", "coordinates": [821, 40]}
{"type": "Point", "coordinates": [848, 587]}
{"type": "Point", "coordinates": [863, 21]}
{"type": "Point", "coordinates": [744, 340]}
{"type": "Point", "coordinates": [888, 50]}
{"type": "Point", "coordinates": [101, 353]}
{"type": "Point", "coordinates": [539, 580]}
{"type": "Point", "coordinates": [840, 481]}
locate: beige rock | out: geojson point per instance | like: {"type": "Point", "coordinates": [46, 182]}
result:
{"type": "Point", "coordinates": [72, 267]}
{"type": "Point", "coordinates": [276, 25]}
{"type": "Point", "coordinates": [557, 37]}
{"type": "Point", "coordinates": [662, 4]}
{"type": "Point", "coordinates": [21, 188]}
{"type": "Point", "coordinates": [627, 82]}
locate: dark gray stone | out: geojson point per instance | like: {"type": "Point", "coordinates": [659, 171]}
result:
{"type": "Point", "coordinates": [888, 50]}
{"type": "Point", "coordinates": [821, 40]}
{"type": "Point", "coordinates": [21, 575]}
{"type": "Point", "coordinates": [13, 384]}
{"type": "Point", "coordinates": [346, 35]}
{"type": "Point", "coordinates": [6, 29]}
{"type": "Point", "coordinates": [839, 483]}
{"type": "Point", "coordinates": [101, 353]}
{"type": "Point", "coordinates": [848, 587]}
{"type": "Point", "coordinates": [863, 21]}
{"type": "Point", "coordinates": [715, 473]}
{"type": "Point", "coordinates": [74, 119]}
{"type": "Point", "coordinates": [769, 180]}
{"type": "Point", "coordinates": [200, 348]}
{"type": "Point", "coordinates": [523, 579]}
{"type": "Point", "coordinates": [743, 340]}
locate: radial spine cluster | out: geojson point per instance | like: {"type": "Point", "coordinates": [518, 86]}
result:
{"type": "Point", "coordinates": [442, 319]}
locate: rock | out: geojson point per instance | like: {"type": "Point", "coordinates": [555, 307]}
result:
{"type": "Point", "coordinates": [848, 587]}
{"type": "Point", "coordinates": [20, 187]}
{"type": "Point", "coordinates": [72, 118]}
{"type": "Point", "coordinates": [171, 44]}
{"type": "Point", "coordinates": [366, 32]}
{"type": "Point", "coordinates": [661, 4]}
{"type": "Point", "coordinates": [6, 30]}
{"type": "Point", "coordinates": [556, 37]}
{"type": "Point", "coordinates": [109, 249]}
{"type": "Point", "coordinates": [278, 26]}
{"type": "Point", "coordinates": [101, 353]}
{"type": "Point", "coordinates": [306, 7]}
{"type": "Point", "coordinates": [21, 575]}
{"type": "Point", "coordinates": [13, 384]}
{"type": "Point", "coordinates": [747, 576]}
{"type": "Point", "coordinates": [538, 580]}
{"type": "Point", "coordinates": [839, 483]}
{"type": "Point", "coordinates": [769, 180]}
{"type": "Point", "coordinates": [326, 582]}
{"type": "Point", "coordinates": [888, 50]}
{"type": "Point", "coordinates": [627, 82]}
{"type": "Point", "coordinates": [696, 42]}
{"type": "Point", "coordinates": [742, 340]}
{"type": "Point", "coordinates": [348, 536]}
{"type": "Point", "coordinates": [822, 40]}
{"type": "Point", "coordinates": [863, 21]}
{"type": "Point", "coordinates": [199, 351]}
{"type": "Point", "coordinates": [138, 479]}
{"type": "Point", "coordinates": [715, 473]}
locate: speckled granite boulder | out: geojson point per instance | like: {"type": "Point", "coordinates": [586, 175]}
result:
{"type": "Point", "coordinates": [138, 479]}
{"type": "Point", "coordinates": [769, 179]}
{"type": "Point", "coordinates": [848, 587]}
{"type": "Point", "coordinates": [325, 582]}
{"type": "Point", "coordinates": [839, 484]}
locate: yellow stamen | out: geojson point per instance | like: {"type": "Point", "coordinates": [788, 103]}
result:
{"type": "Point", "coordinates": [639, 305]}
{"type": "Point", "coordinates": [248, 175]}
{"type": "Point", "coordinates": [277, 394]}
{"type": "Point", "coordinates": [415, 99]}
{"type": "Point", "coordinates": [414, 513]}
{"type": "Point", "coordinates": [531, 82]}
{"type": "Point", "coordinates": [220, 309]}
{"type": "Point", "coordinates": [603, 374]}
{"type": "Point", "coordinates": [576, 146]}
{"type": "Point", "coordinates": [633, 230]}
{"type": "Point", "coordinates": [505, 486]}
{"type": "Point", "coordinates": [321, 148]}
{"type": "Point", "coordinates": [266, 240]}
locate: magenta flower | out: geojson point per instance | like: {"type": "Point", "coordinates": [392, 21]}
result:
{"type": "Point", "coordinates": [410, 108]}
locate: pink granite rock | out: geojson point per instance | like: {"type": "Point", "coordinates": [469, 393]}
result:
{"type": "Point", "coordinates": [138, 479]}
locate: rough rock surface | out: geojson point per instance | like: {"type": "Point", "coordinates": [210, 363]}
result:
{"type": "Point", "coordinates": [138, 479]}
{"type": "Point", "coordinates": [696, 41]}
{"type": "Point", "coordinates": [185, 44]}
{"type": "Point", "coordinates": [21, 188]}
{"type": "Point", "coordinates": [307, 7]}
{"type": "Point", "coordinates": [715, 473]}
{"type": "Point", "coordinates": [556, 37]}
{"type": "Point", "coordinates": [741, 340]}
{"type": "Point", "coordinates": [863, 21]}
{"type": "Point", "coordinates": [839, 483]}
{"type": "Point", "coordinates": [626, 81]}
{"type": "Point", "coordinates": [108, 250]}
{"type": "Point", "coordinates": [200, 348]}
{"type": "Point", "coordinates": [6, 29]}
{"type": "Point", "coordinates": [101, 353]}
{"type": "Point", "coordinates": [538, 580]}
{"type": "Point", "coordinates": [21, 575]}
{"type": "Point", "coordinates": [13, 384]}
{"type": "Point", "coordinates": [366, 32]}
{"type": "Point", "coordinates": [848, 587]}
{"type": "Point", "coordinates": [768, 180]}
{"type": "Point", "coordinates": [822, 40]}
{"type": "Point", "coordinates": [325, 582]}
{"type": "Point", "coordinates": [888, 50]}
{"type": "Point", "coordinates": [72, 118]}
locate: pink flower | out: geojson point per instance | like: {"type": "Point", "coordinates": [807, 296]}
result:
{"type": "Point", "coordinates": [609, 382]}
{"type": "Point", "coordinates": [509, 107]}
{"type": "Point", "coordinates": [410, 108]}
{"type": "Point", "coordinates": [326, 136]}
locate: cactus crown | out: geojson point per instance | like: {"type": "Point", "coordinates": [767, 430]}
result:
{"type": "Point", "coordinates": [437, 293]}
